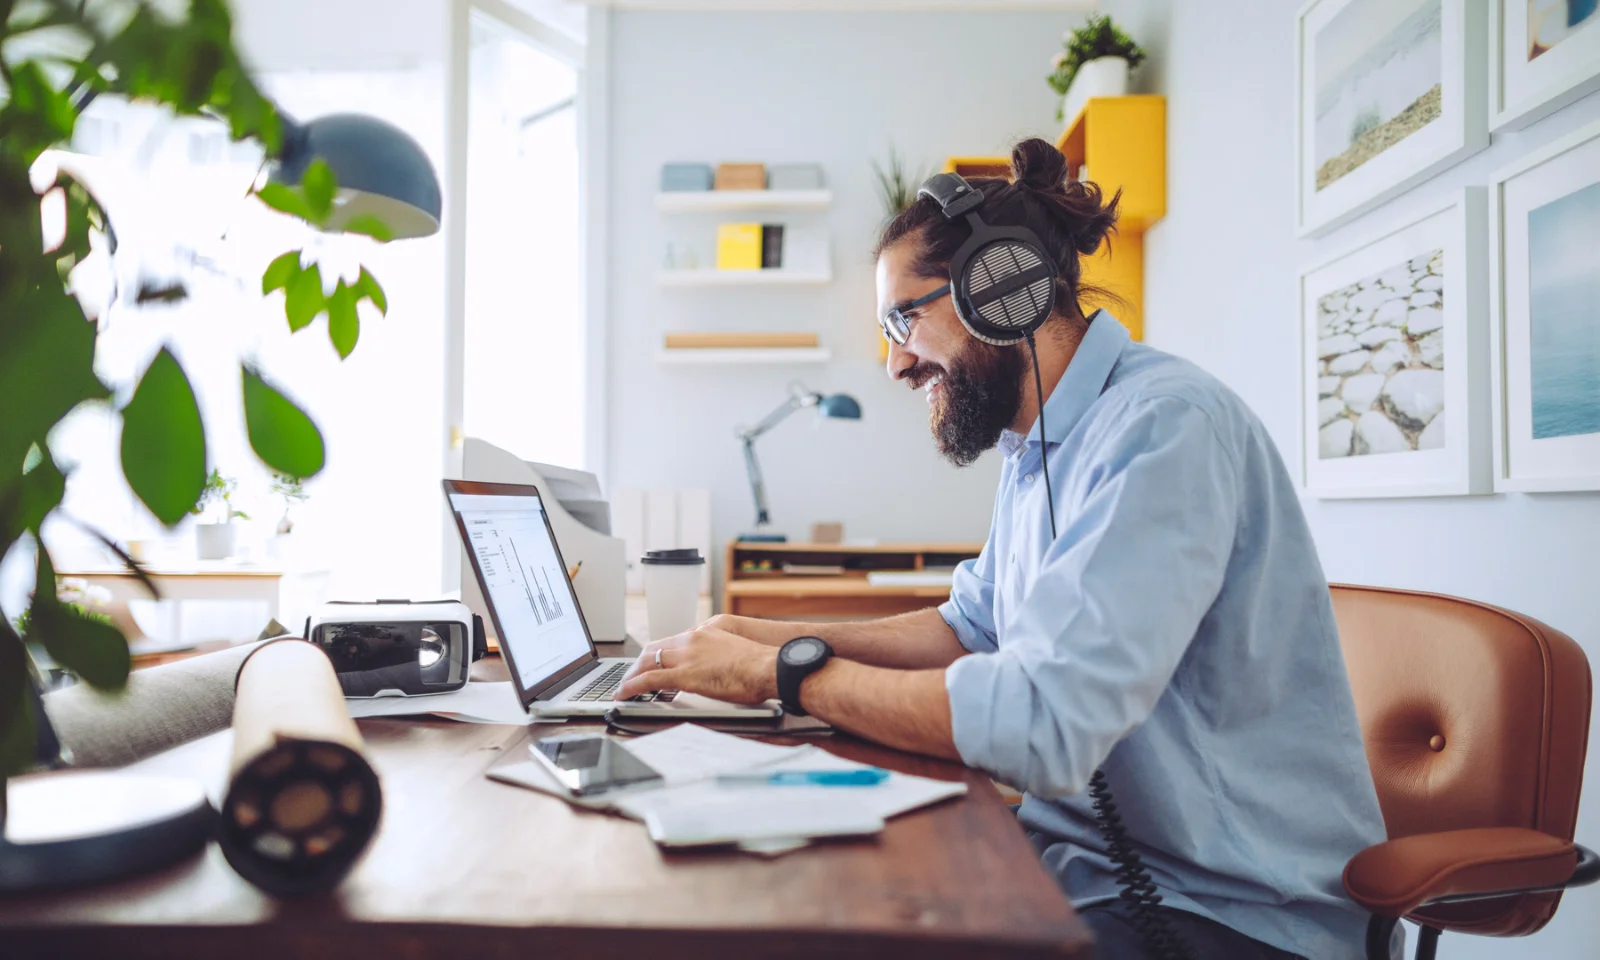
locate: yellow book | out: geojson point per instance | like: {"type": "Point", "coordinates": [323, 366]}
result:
{"type": "Point", "coordinates": [739, 246]}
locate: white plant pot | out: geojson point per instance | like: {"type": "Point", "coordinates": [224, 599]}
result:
{"type": "Point", "coordinates": [213, 541]}
{"type": "Point", "coordinates": [1100, 77]}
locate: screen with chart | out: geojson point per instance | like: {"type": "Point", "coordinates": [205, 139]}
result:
{"type": "Point", "coordinates": [523, 580]}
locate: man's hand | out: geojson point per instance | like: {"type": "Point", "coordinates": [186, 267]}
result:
{"type": "Point", "coordinates": [709, 661]}
{"type": "Point", "coordinates": [773, 633]}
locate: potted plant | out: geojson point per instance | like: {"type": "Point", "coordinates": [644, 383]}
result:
{"type": "Point", "coordinates": [1094, 62]}
{"type": "Point", "coordinates": [215, 540]}
{"type": "Point", "coordinates": [897, 185]}
{"type": "Point", "coordinates": [185, 60]}
{"type": "Point", "coordinates": [293, 491]}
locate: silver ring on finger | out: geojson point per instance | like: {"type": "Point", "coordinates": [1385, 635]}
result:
{"type": "Point", "coordinates": [658, 658]}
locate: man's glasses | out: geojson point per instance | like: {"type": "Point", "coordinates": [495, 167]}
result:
{"type": "Point", "coordinates": [897, 326]}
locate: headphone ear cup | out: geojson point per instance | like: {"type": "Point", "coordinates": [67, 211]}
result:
{"type": "Point", "coordinates": [1002, 285]}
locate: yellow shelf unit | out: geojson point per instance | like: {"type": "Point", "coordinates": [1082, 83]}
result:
{"type": "Point", "coordinates": [1121, 143]}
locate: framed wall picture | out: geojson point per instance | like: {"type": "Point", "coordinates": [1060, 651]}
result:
{"type": "Point", "coordinates": [1389, 92]}
{"type": "Point", "coordinates": [1545, 303]}
{"type": "Point", "coordinates": [1394, 360]}
{"type": "Point", "coordinates": [1543, 55]}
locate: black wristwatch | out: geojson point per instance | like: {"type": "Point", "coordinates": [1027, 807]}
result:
{"type": "Point", "coordinates": [798, 659]}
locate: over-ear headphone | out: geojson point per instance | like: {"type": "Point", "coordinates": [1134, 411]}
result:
{"type": "Point", "coordinates": [1002, 284]}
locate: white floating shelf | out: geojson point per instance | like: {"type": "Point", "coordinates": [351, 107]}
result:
{"type": "Point", "coordinates": [712, 201]}
{"type": "Point", "coordinates": [741, 278]}
{"type": "Point", "coordinates": [735, 355]}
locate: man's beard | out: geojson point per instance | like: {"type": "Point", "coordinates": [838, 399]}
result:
{"type": "Point", "coordinates": [980, 396]}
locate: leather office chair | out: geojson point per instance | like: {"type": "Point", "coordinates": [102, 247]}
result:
{"type": "Point", "coordinates": [1476, 720]}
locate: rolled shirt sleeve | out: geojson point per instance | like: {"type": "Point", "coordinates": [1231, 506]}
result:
{"type": "Point", "coordinates": [970, 609]}
{"type": "Point", "coordinates": [1139, 559]}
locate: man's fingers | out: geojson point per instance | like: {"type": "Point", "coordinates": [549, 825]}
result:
{"type": "Point", "coordinates": [663, 679]}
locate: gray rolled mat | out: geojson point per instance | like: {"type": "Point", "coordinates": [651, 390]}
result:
{"type": "Point", "coordinates": [162, 707]}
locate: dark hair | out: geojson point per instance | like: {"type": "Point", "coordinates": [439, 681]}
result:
{"type": "Point", "coordinates": [1070, 217]}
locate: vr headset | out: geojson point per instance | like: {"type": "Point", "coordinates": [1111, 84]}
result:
{"type": "Point", "coordinates": [397, 648]}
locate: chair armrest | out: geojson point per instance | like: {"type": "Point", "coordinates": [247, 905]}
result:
{"type": "Point", "coordinates": [1396, 877]}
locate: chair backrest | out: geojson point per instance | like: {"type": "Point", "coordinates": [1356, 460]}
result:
{"type": "Point", "coordinates": [1473, 716]}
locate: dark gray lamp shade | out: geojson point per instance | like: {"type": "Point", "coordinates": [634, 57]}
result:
{"type": "Point", "coordinates": [840, 406]}
{"type": "Point", "coordinates": [381, 171]}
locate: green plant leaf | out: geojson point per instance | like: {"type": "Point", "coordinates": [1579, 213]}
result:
{"type": "Point", "coordinates": [344, 326]}
{"type": "Point", "coordinates": [368, 225]}
{"type": "Point", "coordinates": [163, 441]}
{"type": "Point", "coordinates": [17, 738]}
{"type": "Point", "coordinates": [25, 500]}
{"type": "Point", "coordinates": [367, 287]}
{"type": "Point", "coordinates": [317, 186]}
{"type": "Point", "coordinates": [92, 649]}
{"type": "Point", "coordinates": [281, 433]}
{"type": "Point", "coordinates": [303, 299]}
{"type": "Point", "coordinates": [38, 115]}
{"type": "Point", "coordinates": [280, 272]}
{"type": "Point", "coordinates": [285, 200]}
{"type": "Point", "coordinates": [46, 366]}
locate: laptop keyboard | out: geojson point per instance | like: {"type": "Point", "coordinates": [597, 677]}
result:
{"type": "Point", "coordinates": [606, 683]}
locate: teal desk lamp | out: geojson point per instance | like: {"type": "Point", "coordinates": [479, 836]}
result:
{"type": "Point", "coordinates": [838, 406]}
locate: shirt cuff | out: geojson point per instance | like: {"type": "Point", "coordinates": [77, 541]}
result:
{"type": "Point", "coordinates": [991, 710]}
{"type": "Point", "coordinates": [973, 639]}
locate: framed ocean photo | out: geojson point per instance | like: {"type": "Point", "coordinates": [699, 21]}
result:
{"type": "Point", "coordinates": [1545, 259]}
{"type": "Point", "coordinates": [1394, 360]}
{"type": "Point", "coordinates": [1389, 92]}
{"type": "Point", "coordinates": [1543, 55]}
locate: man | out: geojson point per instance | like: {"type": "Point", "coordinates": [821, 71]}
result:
{"type": "Point", "coordinates": [1174, 631]}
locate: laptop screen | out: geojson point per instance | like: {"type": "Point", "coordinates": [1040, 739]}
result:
{"type": "Point", "coordinates": [541, 629]}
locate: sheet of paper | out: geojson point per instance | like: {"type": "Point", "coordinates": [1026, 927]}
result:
{"type": "Point", "coordinates": [687, 752]}
{"type": "Point", "coordinates": [477, 702]}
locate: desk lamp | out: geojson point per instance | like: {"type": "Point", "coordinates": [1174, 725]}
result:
{"type": "Point", "coordinates": [839, 406]}
{"type": "Point", "coordinates": [380, 171]}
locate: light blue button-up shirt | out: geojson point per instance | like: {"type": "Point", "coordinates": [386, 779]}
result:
{"type": "Point", "coordinates": [1178, 632]}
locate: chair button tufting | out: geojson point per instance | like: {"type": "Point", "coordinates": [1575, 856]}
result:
{"type": "Point", "coordinates": [1436, 743]}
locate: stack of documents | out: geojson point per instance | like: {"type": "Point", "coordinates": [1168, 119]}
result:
{"type": "Point", "coordinates": [710, 793]}
{"type": "Point", "coordinates": [477, 702]}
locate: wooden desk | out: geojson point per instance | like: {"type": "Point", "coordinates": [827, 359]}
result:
{"type": "Point", "coordinates": [847, 595]}
{"type": "Point", "coordinates": [466, 867]}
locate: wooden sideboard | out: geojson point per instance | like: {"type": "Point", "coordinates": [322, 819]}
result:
{"type": "Point", "coordinates": [761, 579]}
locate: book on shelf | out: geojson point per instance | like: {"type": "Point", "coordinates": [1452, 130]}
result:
{"type": "Point", "coordinates": [739, 246]}
{"type": "Point", "coordinates": [771, 246]}
{"type": "Point", "coordinates": [814, 569]}
{"type": "Point", "coordinates": [741, 341]}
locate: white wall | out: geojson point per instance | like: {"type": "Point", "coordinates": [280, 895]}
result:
{"type": "Point", "coordinates": [1220, 289]}
{"type": "Point", "coordinates": [834, 88]}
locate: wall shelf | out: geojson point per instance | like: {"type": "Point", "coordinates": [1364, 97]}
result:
{"type": "Point", "coordinates": [744, 355]}
{"type": "Point", "coordinates": [741, 278]}
{"type": "Point", "coordinates": [715, 201]}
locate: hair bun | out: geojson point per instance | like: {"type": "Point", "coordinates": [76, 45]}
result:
{"type": "Point", "coordinates": [1038, 165]}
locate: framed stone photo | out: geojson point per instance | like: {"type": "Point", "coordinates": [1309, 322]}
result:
{"type": "Point", "coordinates": [1394, 360]}
{"type": "Point", "coordinates": [1545, 304]}
{"type": "Point", "coordinates": [1389, 92]}
{"type": "Point", "coordinates": [1543, 55]}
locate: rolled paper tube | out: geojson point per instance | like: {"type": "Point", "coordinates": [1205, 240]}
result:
{"type": "Point", "coordinates": [303, 802]}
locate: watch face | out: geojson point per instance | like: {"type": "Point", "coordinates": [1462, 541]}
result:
{"type": "Point", "coordinates": [802, 650]}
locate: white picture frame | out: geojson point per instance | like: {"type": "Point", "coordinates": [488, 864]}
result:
{"type": "Point", "coordinates": [1523, 87]}
{"type": "Point", "coordinates": [1566, 456]}
{"type": "Point", "coordinates": [1459, 130]}
{"type": "Point", "coordinates": [1397, 394]}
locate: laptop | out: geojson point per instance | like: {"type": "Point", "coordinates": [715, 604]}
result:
{"type": "Point", "coordinates": [544, 638]}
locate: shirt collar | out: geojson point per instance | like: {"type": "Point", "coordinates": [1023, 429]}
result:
{"type": "Point", "coordinates": [1080, 386]}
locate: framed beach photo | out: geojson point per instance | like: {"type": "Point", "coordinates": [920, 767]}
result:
{"type": "Point", "coordinates": [1394, 360]}
{"type": "Point", "coordinates": [1389, 92]}
{"type": "Point", "coordinates": [1543, 55]}
{"type": "Point", "coordinates": [1545, 259]}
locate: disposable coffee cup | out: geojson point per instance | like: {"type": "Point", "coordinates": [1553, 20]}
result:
{"type": "Point", "coordinates": [671, 590]}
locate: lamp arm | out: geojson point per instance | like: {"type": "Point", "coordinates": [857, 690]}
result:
{"type": "Point", "coordinates": [795, 402]}
{"type": "Point", "coordinates": [758, 488]}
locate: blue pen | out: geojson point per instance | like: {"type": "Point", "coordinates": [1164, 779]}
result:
{"type": "Point", "coordinates": [869, 777]}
